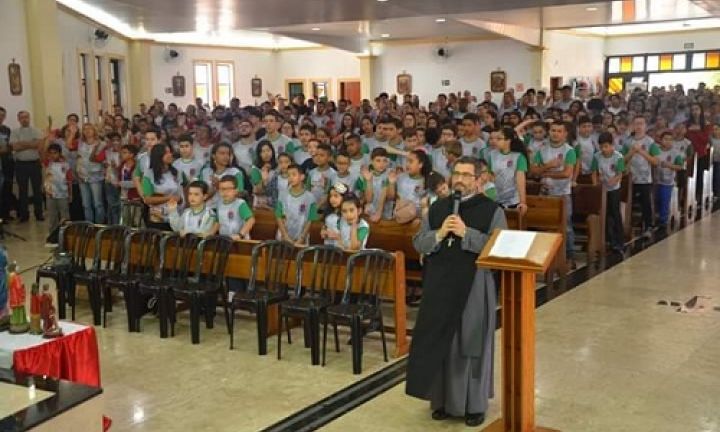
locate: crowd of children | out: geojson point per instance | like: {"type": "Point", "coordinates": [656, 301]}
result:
{"type": "Point", "coordinates": [205, 171]}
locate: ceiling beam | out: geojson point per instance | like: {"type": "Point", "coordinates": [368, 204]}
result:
{"type": "Point", "coordinates": [352, 44]}
{"type": "Point", "coordinates": [527, 35]}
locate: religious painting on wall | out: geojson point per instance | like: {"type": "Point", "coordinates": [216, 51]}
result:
{"type": "Point", "coordinates": [498, 81]}
{"type": "Point", "coordinates": [404, 84]}
{"type": "Point", "coordinates": [256, 87]}
{"type": "Point", "coordinates": [15, 78]}
{"type": "Point", "coordinates": [178, 86]}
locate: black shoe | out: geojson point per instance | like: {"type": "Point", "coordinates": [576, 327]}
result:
{"type": "Point", "coordinates": [474, 420]}
{"type": "Point", "coordinates": [440, 414]}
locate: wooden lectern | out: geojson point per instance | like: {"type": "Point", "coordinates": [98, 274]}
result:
{"type": "Point", "coordinates": [518, 323]}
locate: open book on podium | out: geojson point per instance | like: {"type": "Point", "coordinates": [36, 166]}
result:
{"type": "Point", "coordinates": [523, 251]}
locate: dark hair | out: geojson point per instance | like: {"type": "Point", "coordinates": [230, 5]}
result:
{"type": "Point", "coordinates": [283, 154]}
{"type": "Point", "coordinates": [449, 126]}
{"type": "Point", "coordinates": [153, 131]}
{"type": "Point", "coordinates": [295, 166]}
{"type": "Point", "coordinates": [200, 185]}
{"type": "Point", "coordinates": [432, 135]}
{"type": "Point", "coordinates": [354, 137]}
{"type": "Point", "coordinates": [378, 152]}
{"type": "Point", "coordinates": [54, 147]}
{"type": "Point", "coordinates": [185, 138]}
{"type": "Point", "coordinates": [73, 115]}
{"type": "Point", "coordinates": [326, 148]}
{"type": "Point", "coordinates": [157, 153]}
{"type": "Point", "coordinates": [273, 113]}
{"type": "Point", "coordinates": [434, 180]}
{"type": "Point", "coordinates": [350, 197]}
{"type": "Point", "coordinates": [131, 148]}
{"type": "Point", "coordinates": [605, 138]}
{"type": "Point", "coordinates": [228, 178]}
{"type": "Point", "coordinates": [342, 153]}
{"type": "Point", "coordinates": [662, 135]}
{"type": "Point", "coordinates": [426, 165]}
{"type": "Point", "coordinates": [342, 129]}
{"type": "Point", "coordinates": [393, 121]}
{"type": "Point", "coordinates": [113, 135]}
{"type": "Point", "coordinates": [516, 144]}
{"type": "Point", "coordinates": [308, 128]}
{"type": "Point", "coordinates": [469, 160]}
{"type": "Point", "coordinates": [584, 120]}
{"type": "Point", "coordinates": [409, 132]}
{"type": "Point", "coordinates": [214, 150]}
{"type": "Point", "coordinates": [258, 160]}
{"type": "Point", "coordinates": [700, 121]}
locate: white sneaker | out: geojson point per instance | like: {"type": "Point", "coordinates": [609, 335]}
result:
{"type": "Point", "coordinates": [51, 245]}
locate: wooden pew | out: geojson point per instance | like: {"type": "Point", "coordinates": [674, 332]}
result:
{"type": "Point", "coordinates": [394, 290]}
{"type": "Point", "coordinates": [546, 213]}
{"type": "Point", "coordinates": [589, 210]}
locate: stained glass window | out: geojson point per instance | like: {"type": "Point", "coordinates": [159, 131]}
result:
{"type": "Point", "coordinates": [712, 60]}
{"type": "Point", "coordinates": [626, 64]}
{"type": "Point", "coordinates": [679, 61]}
{"type": "Point", "coordinates": [638, 64]}
{"type": "Point", "coordinates": [666, 61]}
{"type": "Point", "coordinates": [614, 65]}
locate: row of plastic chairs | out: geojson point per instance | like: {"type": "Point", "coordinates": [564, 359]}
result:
{"type": "Point", "coordinates": [148, 264]}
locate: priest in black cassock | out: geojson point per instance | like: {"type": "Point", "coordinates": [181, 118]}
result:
{"type": "Point", "coordinates": [451, 355]}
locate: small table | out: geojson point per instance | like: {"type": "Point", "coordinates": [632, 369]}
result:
{"type": "Point", "coordinates": [72, 357]}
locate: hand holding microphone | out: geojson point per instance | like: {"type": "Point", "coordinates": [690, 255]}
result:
{"type": "Point", "coordinates": [455, 227]}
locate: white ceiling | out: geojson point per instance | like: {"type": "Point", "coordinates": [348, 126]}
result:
{"type": "Point", "coordinates": [352, 24]}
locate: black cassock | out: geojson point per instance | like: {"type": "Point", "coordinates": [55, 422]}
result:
{"type": "Point", "coordinates": [450, 360]}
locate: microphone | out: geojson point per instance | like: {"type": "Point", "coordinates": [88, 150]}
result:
{"type": "Point", "coordinates": [456, 196]}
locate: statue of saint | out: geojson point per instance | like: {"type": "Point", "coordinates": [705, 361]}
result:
{"type": "Point", "coordinates": [51, 329]}
{"type": "Point", "coordinates": [18, 316]}
{"type": "Point", "coordinates": [35, 327]}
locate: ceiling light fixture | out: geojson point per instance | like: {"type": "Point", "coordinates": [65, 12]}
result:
{"type": "Point", "coordinates": [315, 29]}
{"type": "Point", "coordinates": [382, 1]}
{"type": "Point", "coordinates": [440, 20]}
{"type": "Point", "coordinates": [591, 9]}
{"type": "Point", "coordinates": [385, 35]}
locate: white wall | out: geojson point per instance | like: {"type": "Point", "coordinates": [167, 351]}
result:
{"type": "Point", "coordinates": [75, 37]}
{"type": "Point", "coordinates": [570, 56]}
{"type": "Point", "coordinates": [273, 67]}
{"type": "Point", "coordinates": [652, 43]}
{"type": "Point", "coordinates": [316, 63]}
{"type": "Point", "coordinates": [467, 68]}
{"type": "Point", "coordinates": [14, 46]}
{"type": "Point", "coordinates": [248, 64]}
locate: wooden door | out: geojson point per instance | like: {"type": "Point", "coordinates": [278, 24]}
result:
{"type": "Point", "coordinates": [350, 90]}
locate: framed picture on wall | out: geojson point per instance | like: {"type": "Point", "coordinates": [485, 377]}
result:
{"type": "Point", "coordinates": [178, 86]}
{"type": "Point", "coordinates": [498, 81]}
{"type": "Point", "coordinates": [15, 78]}
{"type": "Point", "coordinates": [404, 84]}
{"type": "Point", "coordinates": [256, 87]}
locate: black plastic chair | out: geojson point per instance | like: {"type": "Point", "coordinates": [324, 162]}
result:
{"type": "Point", "coordinates": [78, 236]}
{"type": "Point", "coordinates": [176, 259]}
{"type": "Point", "coordinates": [140, 263]}
{"type": "Point", "coordinates": [132, 213]}
{"type": "Point", "coordinates": [107, 260]}
{"type": "Point", "coordinates": [202, 289]}
{"type": "Point", "coordinates": [261, 293]}
{"type": "Point", "coordinates": [361, 310]}
{"type": "Point", "coordinates": [313, 295]}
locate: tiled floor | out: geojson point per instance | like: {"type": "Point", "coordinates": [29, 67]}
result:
{"type": "Point", "coordinates": [609, 358]}
{"type": "Point", "coordinates": [158, 385]}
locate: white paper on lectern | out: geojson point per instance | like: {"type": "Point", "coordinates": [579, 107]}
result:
{"type": "Point", "coordinates": [512, 244]}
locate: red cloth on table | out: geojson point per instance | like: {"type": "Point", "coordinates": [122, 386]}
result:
{"type": "Point", "coordinates": [72, 358]}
